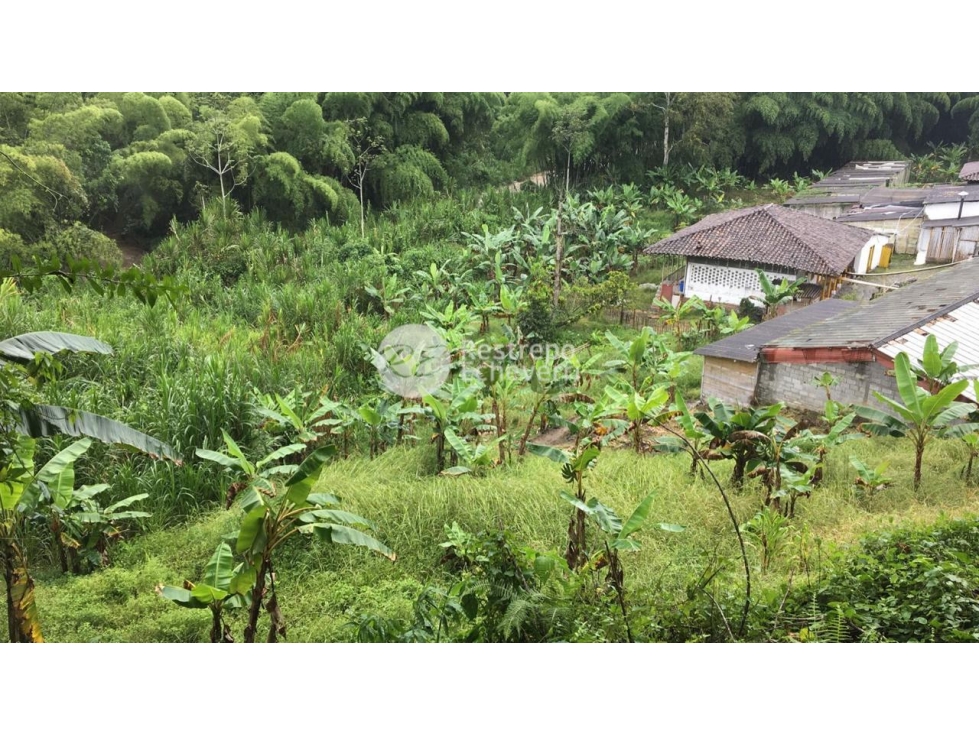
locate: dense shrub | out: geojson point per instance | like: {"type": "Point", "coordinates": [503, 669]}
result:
{"type": "Point", "coordinates": [905, 586]}
{"type": "Point", "coordinates": [75, 242]}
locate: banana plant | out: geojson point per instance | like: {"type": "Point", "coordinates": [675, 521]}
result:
{"type": "Point", "coordinates": [675, 316]}
{"type": "Point", "coordinates": [22, 489]}
{"type": "Point", "coordinates": [547, 381]}
{"type": "Point", "coordinates": [281, 504]}
{"type": "Point", "coordinates": [696, 436]}
{"type": "Point", "coordinates": [780, 187]}
{"type": "Point", "coordinates": [470, 457]}
{"type": "Point", "coordinates": [777, 293]}
{"type": "Point", "coordinates": [456, 407]}
{"type": "Point", "coordinates": [382, 419]}
{"type": "Point", "coordinates": [21, 422]}
{"type": "Point", "coordinates": [224, 585]}
{"type": "Point", "coordinates": [971, 441]}
{"type": "Point", "coordinates": [741, 435]}
{"type": "Point", "coordinates": [937, 367]}
{"type": "Point", "coordinates": [639, 409]}
{"type": "Point", "coordinates": [511, 301]}
{"type": "Point", "coordinates": [683, 208]}
{"type": "Point", "coordinates": [19, 494]}
{"type": "Point", "coordinates": [918, 415]}
{"type": "Point", "coordinates": [646, 360]}
{"type": "Point", "coordinates": [573, 469]}
{"type": "Point", "coordinates": [81, 527]}
{"type": "Point", "coordinates": [245, 474]}
{"type": "Point", "coordinates": [487, 248]}
{"type": "Point", "coordinates": [295, 416]}
{"type": "Point", "coordinates": [618, 536]}
{"type": "Point", "coordinates": [870, 480]}
{"type": "Point", "coordinates": [482, 304]}
{"type": "Point", "coordinates": [390, 295]}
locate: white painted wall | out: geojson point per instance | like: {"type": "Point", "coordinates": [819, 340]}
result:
{"type": "Point", "coordinates": [724, 284]}
{"type": "Point", "coordinates": [950, 210]}
{"type": "Point", "coordinates": [873, 249]}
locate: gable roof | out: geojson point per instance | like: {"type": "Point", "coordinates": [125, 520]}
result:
{"type": "Point", "coordinates": [881, 212]}
{"type": "Point", "coordinates": [746, 345]}
{"type": "Point", "coordinates": [958, 325]}
{"type": "Point", "coordinates": [946, 194]}
{"type": "Point", "coordinates": [893, 315]}
{"type": "Point", "coordinates": [970, 171]}
{"type": "Point", "coordinates": [769, 235]}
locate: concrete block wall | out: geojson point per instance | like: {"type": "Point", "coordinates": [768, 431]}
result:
{"type": "Point", "coordinates": [792, 384]}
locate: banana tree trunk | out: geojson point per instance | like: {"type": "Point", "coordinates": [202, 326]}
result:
{"type": "Point", "coordinates": [23, 622]}
{"type": "Point", "coordinates": [258, 595]}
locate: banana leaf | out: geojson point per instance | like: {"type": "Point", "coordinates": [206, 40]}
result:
{"type": "Point", "coordinates": [22, 348]}
{"type": "Point", "coordinates": [47, 420]}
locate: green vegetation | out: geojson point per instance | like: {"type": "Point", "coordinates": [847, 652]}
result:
{"type": "Point", "coordinates": [290, 233]}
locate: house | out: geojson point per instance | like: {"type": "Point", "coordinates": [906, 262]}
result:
{"type": "Point", "coordinates": [952, 202]}
{"type": "Point", "coordinates": [731, 364]}
{"type": "Point", "coordinates": [723, 251]}
{"type": "Point", "coordinates": [841, 190]}
{"type": "Point", "coordinates": [858, 346]}
{"type": "Point", "coordinates": [970, 172]}
{"type": "Point", "coordinates": [900, 223]}
{"type": "Point", "coordinates": [950, 231]}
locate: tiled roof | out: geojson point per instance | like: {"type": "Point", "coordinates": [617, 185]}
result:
{"type": "Point", "coordinates": [893, 315]}
{"type": "Point", "coordinates": [769, 235]}
{"type": "Point", "coordinates": [970, 171]}
{"type": "Point", "coordinates": [745, 345]}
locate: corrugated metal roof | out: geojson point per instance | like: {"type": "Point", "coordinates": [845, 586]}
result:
{"type": "Point", "coordinates": [850, 182]}
{"type": "Point", "coordinates": [745, 345]}
{"type": "Point", "coordinates": [946, 194]}
{"type": "Point", "coordinates": [894, 314]}
{"type": "Point", "coordinates": [827, 195]}
{"type": "Point", "coordinates": [959, 325]}
{"type": "Point", "coordinates": [963, 222]}
{"type": "Point", "coordinates": [881, 212]}
{"type": "Point", "coordinates": [769, 235]}
{"type": "Point", "coordinates": [970, 171]}
{"type": "Point", "coordinates": [906, 196]}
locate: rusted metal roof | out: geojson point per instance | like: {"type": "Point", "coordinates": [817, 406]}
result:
{"type": "Point", "coordinates": [959, 325]}
{"type": "Point", "coordinates": [893, 315]}
{"type": "Point", "coordinates": [769, 235]}
{"type": "Point", "coordinates": [970, 171]}
{"type": "Point", "coordinates": [746, 345]}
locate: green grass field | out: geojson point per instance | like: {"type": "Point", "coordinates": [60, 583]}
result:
{"type": "Point", "coordinates": [324, 588]}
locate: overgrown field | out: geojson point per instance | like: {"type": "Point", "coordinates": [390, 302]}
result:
{"type": "Point", "coordinates": [326, 590]}
{"type": "Point", "coordinates": [577, 493]}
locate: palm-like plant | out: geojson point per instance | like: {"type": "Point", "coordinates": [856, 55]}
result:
{"type": "Point", "coordinates": [278, 502]}
{"type": "Point", "coordinates": [777, 293]}
{"type": "Point", "coordinates": [918, 415]}
{"type": "Point", "coordinates": [22, 421]}
{"type": "Point", "coordinates": [683, 208]}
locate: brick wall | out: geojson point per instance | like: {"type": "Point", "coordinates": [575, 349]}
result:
{"type": "Point", "coordinates": [793, 385]}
